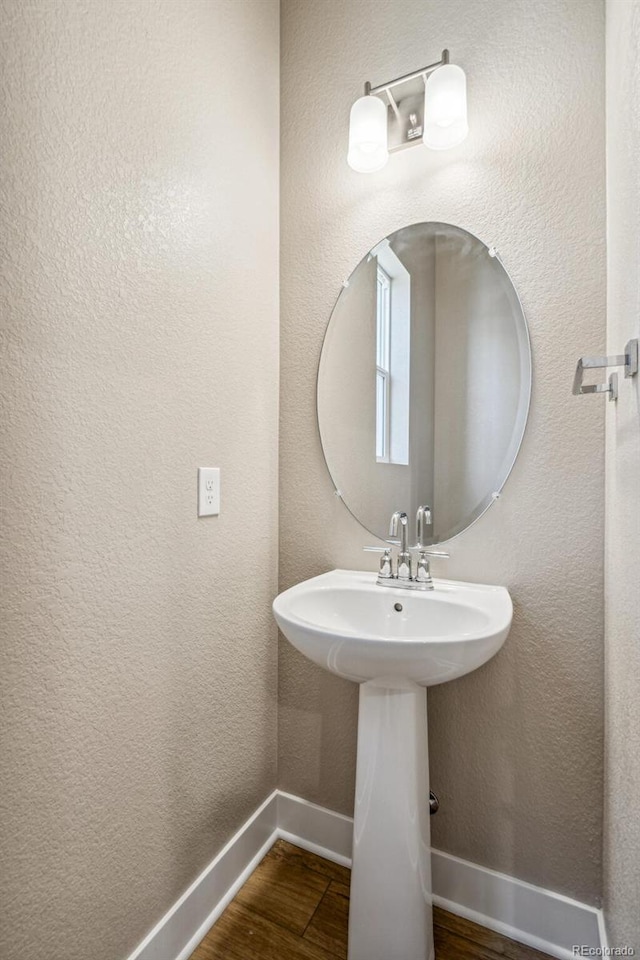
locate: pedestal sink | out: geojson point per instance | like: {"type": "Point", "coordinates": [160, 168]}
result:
{"type": "Point", "coordinates": [394, 643]}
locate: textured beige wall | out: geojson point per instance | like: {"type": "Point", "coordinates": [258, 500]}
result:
{"type": "Point", "coordinates": [516, 748]}
{"type": "Point", "coordinates": [139, 313]}
{"type": "Point", "coordinates": [622, 556]}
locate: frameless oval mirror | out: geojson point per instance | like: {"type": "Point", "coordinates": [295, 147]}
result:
{"type": "Point", "coordinates": [424, 380]}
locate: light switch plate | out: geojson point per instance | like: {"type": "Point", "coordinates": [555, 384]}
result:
{"type": "Point", "coordinates": [208, 491]}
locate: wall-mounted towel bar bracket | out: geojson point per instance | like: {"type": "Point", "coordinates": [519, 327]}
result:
{"type": "Point", "coordinates": [628, 360]}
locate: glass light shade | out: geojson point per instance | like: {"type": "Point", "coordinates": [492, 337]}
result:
{"type": "Point", "coordinates": [368, 135]}
{"type": "Point", "coordinates": [445, 108]}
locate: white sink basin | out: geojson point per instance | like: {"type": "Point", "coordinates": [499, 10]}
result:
{"type": "Point", "coordinates": [394, 642]}
{"type": "Point", "coordinates": [349, 625]}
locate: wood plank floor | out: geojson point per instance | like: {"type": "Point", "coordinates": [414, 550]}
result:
{"type": "Point", "coordinates": [295, 906]}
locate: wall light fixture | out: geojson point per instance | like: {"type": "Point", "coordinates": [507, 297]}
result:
{"type": "Point", "coordinates": [429, 106]}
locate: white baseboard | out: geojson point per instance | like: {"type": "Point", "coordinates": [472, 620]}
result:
{"type": "Point", "coordinates": [180, 931]}
{"type": "Point", "coordinates": [602, 927]}
{"type": "Point", "coordinates": [315, 828]}
{"type": "Point", "coordinates": [547, 921]}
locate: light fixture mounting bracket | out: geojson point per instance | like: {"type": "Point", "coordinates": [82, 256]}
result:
{"type": "Point", "coordinates": [404, 97]}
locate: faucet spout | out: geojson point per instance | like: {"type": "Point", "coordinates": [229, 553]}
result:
{"type": "Point", "coordinates": [399, 519]}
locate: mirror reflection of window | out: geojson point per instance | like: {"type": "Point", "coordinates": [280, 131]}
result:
{"type": "Point", "coordinates": [393, 356]}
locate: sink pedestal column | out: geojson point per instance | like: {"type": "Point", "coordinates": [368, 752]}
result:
{"type": "Point", "coordinates": [390, 914]}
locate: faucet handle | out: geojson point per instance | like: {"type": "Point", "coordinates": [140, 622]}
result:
{"type": "Point", "coordinates": [423, 571]}
{"type": "Point", "coordinates": [385, 572]}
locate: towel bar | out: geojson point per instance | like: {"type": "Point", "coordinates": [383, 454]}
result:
{"type": "Point", "coordinates": [628, 360]}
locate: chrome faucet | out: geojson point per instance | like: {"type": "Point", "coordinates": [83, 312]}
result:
{"type": "Point", "coordinates": [403, 577]}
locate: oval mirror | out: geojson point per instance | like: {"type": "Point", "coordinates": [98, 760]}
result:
{"type": "Point", "coordinates": [424, 380]}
